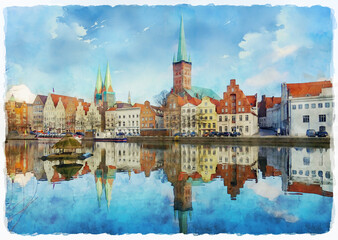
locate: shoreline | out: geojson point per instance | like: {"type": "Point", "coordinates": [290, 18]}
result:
{"type": "Point", "coordinates": [250, 141]}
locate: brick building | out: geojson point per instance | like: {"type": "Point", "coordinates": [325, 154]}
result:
{"type": "Point", "coordinates": [263, 106]}
{"type": "Point", "coordinates": [237, 112]}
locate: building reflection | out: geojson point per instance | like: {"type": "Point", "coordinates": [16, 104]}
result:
{"type": "Point", "coordinates": [186, 166]}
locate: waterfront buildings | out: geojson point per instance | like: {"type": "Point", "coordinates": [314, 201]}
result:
{"type": "Point", "coordinates": [237, 112]}
{"type": "Point", "coordinates": [123, 120]}
{"type": "Point", "coordinates": [265, 114]}
{"type": "Point", "coordinates": [38, 106]}
{"type": "Point", "coordinates": [306, 106]}
{"type": "Point", "coordinates": [189, 123]}
{"type": "Point", "coordinates": [17, 116]}
{"type": "Point", "coordinates": [147, 115]}
{"type": "Point", "coordinates": [81, 117]}
{"type": "Point", "coordinates": [206, 115]}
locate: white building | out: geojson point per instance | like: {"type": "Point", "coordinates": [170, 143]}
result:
{"type": "Point", "coordinates": [307, 106]}
{"type": "Point", "coordinates": [188, 118]}
{"type": "Point", "coordinates": [93, 119]}
{"type": "Point", "coordinates": [123, 120]}
{"type": "Point", "coordinates": [273, 117]}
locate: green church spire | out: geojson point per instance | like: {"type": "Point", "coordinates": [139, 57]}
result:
{"type": "Point", "coordinates": [182, 52]}
{"type": "Point", "coordinates": [99, 81]}
{"type": "Point", "coordinates": [107, 80]}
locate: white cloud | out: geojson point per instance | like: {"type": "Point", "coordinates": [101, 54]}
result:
{"type": "Point", "coordinates": [79, 30]}
{"type": "Point", "coordinates": [225, 56]}
{"type": "Point", "coordinates": [227, 22]}
{"type": "Point", "coordinates": [267, 76]}
{"type": "Point", "coordinates": [21, 93]}
{"type": "Point", "coordinates": [281, 214]}
{"type": "Point", "coordinates": [265, 190]}
{"type": "Point", "coordinates": [146, 29]}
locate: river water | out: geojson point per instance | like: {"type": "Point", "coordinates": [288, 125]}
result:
{"type": "Point", "coordinates": [168, 189]}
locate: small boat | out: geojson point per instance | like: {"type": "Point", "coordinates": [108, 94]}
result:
{"type": "Point", "coordinates": [109, 137]}
{"type": "Point", "coordinates": [67, 156]}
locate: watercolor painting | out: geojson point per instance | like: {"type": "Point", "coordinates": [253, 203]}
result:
{"type": "Point", "coordinates": [169, 120]}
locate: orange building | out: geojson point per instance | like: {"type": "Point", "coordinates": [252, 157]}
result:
{"type": "Point", "coordinates": [147, 115]}
{"type": "Point", "coordinates": [17, 116]}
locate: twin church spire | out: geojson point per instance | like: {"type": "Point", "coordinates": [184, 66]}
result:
{"type": "Point", "coordinates": [104, 94]}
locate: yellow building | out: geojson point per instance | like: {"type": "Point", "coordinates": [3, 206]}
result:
{"type": "Point", "coordinates": [208, 160]}
{"type": "Point", "coordinates": [206, 115]}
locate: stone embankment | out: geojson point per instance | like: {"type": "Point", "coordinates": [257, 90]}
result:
{"type": "Point", "coordinates": [286, 141]}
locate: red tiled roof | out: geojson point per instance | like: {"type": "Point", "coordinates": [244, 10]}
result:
{"type": "Point", "coordinates": [252, 99]}
{"type": "Point", "coordinates": [271, 101]}
{"type": "Point", "coordinates": [112, 109]}
{"type": "Point", "coordinates": [195, 101]}
{"type": "Point", "coordinates": [181, 101]}
{"type": "Point", "coordinates": [64, 100]}
{"type": "Point", "coordinates": [309, 88]}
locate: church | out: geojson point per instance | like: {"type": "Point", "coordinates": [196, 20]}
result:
{"type": "Point", "coordinates": [182, 73]}
{"type": "Point", "coordinates": [104, 94]}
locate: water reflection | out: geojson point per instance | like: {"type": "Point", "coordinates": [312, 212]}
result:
{"type": "Point", "coordinates": [186, 167]}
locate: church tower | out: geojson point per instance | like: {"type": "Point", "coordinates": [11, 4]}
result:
{"type": "Point", "coordinates": [108, 95]}
{"type": "Point", "coordinates": [181, 65]}
{"type": "Point", "coordinates": [98, 88]}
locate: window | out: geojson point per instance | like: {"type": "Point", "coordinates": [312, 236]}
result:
{"type": "Point", "coordinates": [306, 118]}
{"type": "Point", "coordinates": [239, 102]}
{"type": "Point", "coordinates": [242, 109]}
{"type": "Point", "coordinates": [306, 161]}
{"type": "Point", "coordinates": [210, 110]}
{"type": "Point", "coordinates": [246, 128]}
{"type": "Point", "coordinates": [226, 110]}
{"type": "Point", "coordinates": [306, 106]}
{"type": "Point", "coordinates": [300, 106]}
{"type": "Point", "coordinates": [293, 107]}
{"type": "Point", "coordinates": [220, 128]}
{"type": "Point", "coordinates": [174, 105]}
{"type": "Point", "coordinates": [233, 119]}
{"type": "Point", "coordinates": [322, 118]}
{"type": "Point", "coordinates": [246, 117]}
{"type": "Point", "coordinates": [205, 103]}
{"type": "Point", "coordinates": [222, 110]}
{"type": "Point", "coordinates": [226, 103]}
{"type": "Point", "coordinates": [320, 105]}
{"type": "Point", "coordinates": [226, 118]}
{"type": "Point", "coordinates": [205, 110]}
{"type": "Point", "coordinates": [313, 105]}
{"type": "Point", "coordinates": [214, 125]}
{"type": "Point", "coordinates": [322, 128]}
{"type": "Point", "coordinates": [239, 109]}
{"type": "Point", "coordinates": [240, 117]}
{"type": "Point", "coordinates": [232, 89]}
{"type": "Point", "coordinates": [327, 105]}
{"type": "Point", "coordinates": [210, 117]}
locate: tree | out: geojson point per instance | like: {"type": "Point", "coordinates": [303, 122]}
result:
{"type": "Point", "coordinates": [161, 98]}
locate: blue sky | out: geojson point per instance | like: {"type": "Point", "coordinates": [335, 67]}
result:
{"type": "Point", "coordinates": [261, 46]}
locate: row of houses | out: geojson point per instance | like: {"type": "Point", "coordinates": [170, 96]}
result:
{"type": "Point", "coordinates": [301, 106]}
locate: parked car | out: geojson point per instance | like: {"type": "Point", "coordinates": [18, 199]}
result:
{"type": "Point", "coordinates": [184, 135]}
{"type": "Point", "coordinates": [213, 134]}
{"type": "Point", "coordinates": [226, 134]}
{"type": "Point", "coordinates": [219, 134]}
{"type": "Point", "coordinates": [311, 133]}
{"type": "Point", "coordinates": [178, 134]}
{"type": "Point", "coordinates": [79, 133]}
{"type": "Point", "coordinates": [235, 134]}
{"type": "Point", "coordinates": [206, 134]}
{"type": "Point", "coordinates": [192, 134]}
{"type": "Point", "coordinates": [322, 134]}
